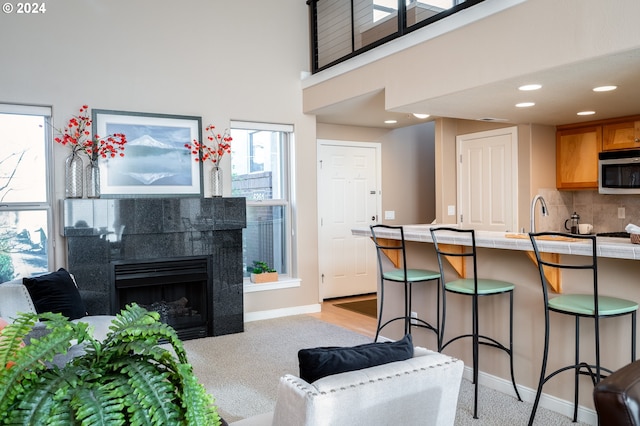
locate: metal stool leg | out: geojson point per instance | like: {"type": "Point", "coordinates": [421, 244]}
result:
{"type": "Point", "coordinates": [543, 369]}
{"type": "Point", "coordinates": [476, 344]}
{"type": "Point", "coordinates": [577, 370]}
{"type": "Point", "coordinates": [407, 308]}
{"type": "Point", "coordinates": [381, 307]}
{"type": "Point", "coordinates": [513, 377]}
{"type": "Point", "coordinates": [633, 336]}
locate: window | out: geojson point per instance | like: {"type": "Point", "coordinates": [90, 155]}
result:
{"type": "Point", "coordinates": [25, 210]}
{"type": "Point", "coordinates": [341, 29]}
{"type": "Point", "coordinates": [260, 172]}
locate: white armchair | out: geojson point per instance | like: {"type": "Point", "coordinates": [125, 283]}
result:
{"type": "Point", "coordinates": [15, 298]}
{"type": "Point", "coordinates": [422, 390]}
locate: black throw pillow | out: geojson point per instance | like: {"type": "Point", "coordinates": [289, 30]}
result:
{"type": "Point", "coordinates": [56, 292]}
{"type": "Point", "coordinates": [317, 363]}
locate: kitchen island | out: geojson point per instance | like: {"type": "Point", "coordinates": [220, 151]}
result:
{"type": "Point", "coordinates": [508, 257]}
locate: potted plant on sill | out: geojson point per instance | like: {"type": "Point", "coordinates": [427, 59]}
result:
{"type": "Point", "coordinates": [263, 273]}
{"type": "Point", "coordinates": [125, 379]}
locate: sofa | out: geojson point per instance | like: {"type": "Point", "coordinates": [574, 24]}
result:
{"type": "Point", "coordinates": [15, 298]}
{"type": "Point", "coordinates": [422, 390]}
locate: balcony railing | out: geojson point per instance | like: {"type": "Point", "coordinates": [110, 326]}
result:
{"type": "Point", "coordinates": [342, 29]}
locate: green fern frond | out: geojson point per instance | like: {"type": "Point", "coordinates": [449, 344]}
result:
{"type": "Point", "coordinates": [61, 416]}
{"type": "Point", "coordinates": [154, 393]}
{"type": "Point", "coordinates": [29, 359]}
{"type": "Point", "coordinates": [131, 315]}
{"type": "Point", "coordinates": [37, 404]}
{"type": "Point", "coordinates": [95, 406]}
{"type": "Point", "coordinates": [118, 386]}
{"type": "Point", "coordinates": [12, 336]}
{"type": "Point", "coordinates": [198, 404]}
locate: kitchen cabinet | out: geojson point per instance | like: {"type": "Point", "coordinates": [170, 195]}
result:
{"type": "Point", "coordinates": [577, 150]}
{"type": "Point", "coordinates": [624, 135]}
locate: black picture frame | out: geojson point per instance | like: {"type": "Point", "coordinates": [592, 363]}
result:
{"type": "Point", "coordinates": [156, 162]}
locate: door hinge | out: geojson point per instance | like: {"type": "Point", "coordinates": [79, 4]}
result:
{"type": "Point", "coordinates": [460, 158]}
{"type": "Point", "coordinates": [461, 220]}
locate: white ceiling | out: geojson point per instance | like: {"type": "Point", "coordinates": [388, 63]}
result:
{"type": "Point", "coordinates": [566, 90]}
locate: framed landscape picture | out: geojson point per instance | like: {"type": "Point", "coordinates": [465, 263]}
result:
{"type": "Point", "coordinates": [155, 162]}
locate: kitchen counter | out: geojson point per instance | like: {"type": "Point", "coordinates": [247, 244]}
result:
{"type": "Point", "coordinates": [616, 248]}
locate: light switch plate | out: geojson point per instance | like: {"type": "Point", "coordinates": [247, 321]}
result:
{"type": "Point", "coordinates": [451, 210]}
{"type": "Point", "coordinates": [389, 214]}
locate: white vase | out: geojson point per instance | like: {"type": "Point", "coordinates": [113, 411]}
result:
{"type": "Point", "coordinates": [216, 182]}
{"type": "Point", "coordinates": [93, 179]}
{"type": "Point", "coordinates": [73, 176]}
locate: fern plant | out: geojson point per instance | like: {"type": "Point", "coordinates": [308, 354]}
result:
{"type": "Point", "coordinates": [127, 379]}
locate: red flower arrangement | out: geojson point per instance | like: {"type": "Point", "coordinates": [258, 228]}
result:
{"type": "Point", "coordinates": [77, 135]}
{"type": "Point", "coordinates": [220, 143]}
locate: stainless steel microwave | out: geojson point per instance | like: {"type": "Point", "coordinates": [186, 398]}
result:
{"type": "Point", "coordinates": [619, 172]}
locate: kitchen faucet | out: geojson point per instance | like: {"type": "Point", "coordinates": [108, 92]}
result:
{"type": "Point", "coordinates": [532, 215]}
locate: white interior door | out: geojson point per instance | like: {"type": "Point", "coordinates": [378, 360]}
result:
{"type": "Point", "coordinates": [348, 197]}
{"type": "Point", "coordinates": [488, 180]}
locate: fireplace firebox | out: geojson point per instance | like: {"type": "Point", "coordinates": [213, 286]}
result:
{"type": "Point", "coordinates": [177, 289]}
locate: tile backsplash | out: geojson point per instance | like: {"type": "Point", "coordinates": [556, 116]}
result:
{"type": "Point", "coordinates": [598, 209]}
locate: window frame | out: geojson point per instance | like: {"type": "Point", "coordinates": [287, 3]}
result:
{"type": "Point", "coordinates": [288, 279]}
{"type": "Point", "coordinates": [47, 206]}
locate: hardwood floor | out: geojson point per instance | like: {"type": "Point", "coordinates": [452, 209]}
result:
{"type": "Point", "coordinates": [354, 321]}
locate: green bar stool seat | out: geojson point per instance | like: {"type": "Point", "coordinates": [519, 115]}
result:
{"type": "Point", "coordinates": [475, 287]}
{"type": "Point", "coordinates": [588, 305]}
{"type": "Point", "coordinates": [392, 247]}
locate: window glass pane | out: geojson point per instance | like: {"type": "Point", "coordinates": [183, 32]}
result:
{"type": "Point", "coordinates": [22, 159]}
{"type": "Point", "coordinates": [23, 244]}
{"type": "Point", "coordinates": [256, 164]}
{"type": "Point", "coordinates": [264, 238]}
{"type": "Point", "coordinates": [419, 11]}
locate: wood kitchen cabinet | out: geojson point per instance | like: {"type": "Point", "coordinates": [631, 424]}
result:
{"type": "Point", "coordinates": [623, 135]}
{"type": "Point", "coordinates": [577, 150]}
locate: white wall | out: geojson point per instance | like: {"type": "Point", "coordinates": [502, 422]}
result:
{"type": "Point", "coordinates": [221, 60]}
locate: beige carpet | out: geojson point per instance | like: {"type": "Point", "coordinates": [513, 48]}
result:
{"type": "Point", "coordinates": [242, 370]}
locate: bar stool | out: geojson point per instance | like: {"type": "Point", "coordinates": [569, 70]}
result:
{"type": "Point", "coordinates": [476, 288]}
{"type": "Point", "coordinates": [401, 274]}
{"type": "Point", "coordinates": [588, 305]}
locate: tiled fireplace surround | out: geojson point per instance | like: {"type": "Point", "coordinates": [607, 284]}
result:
{"type": "Point", "coordinates": [104, 232]}
{"type": "Point", "coordinates": [600, 210]}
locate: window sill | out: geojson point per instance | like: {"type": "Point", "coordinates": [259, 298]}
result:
{"type": "Point", "coordinates": [284, 282]}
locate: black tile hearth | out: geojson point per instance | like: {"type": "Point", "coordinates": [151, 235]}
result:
{"type": "Point", "coordinates": [103, 232]}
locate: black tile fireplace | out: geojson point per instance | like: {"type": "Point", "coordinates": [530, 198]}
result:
{"type": "Point", "coordinates": [181, 257]}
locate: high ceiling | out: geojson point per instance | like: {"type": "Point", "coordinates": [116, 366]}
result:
{"type": "Point", "coordinates": [565, 91]}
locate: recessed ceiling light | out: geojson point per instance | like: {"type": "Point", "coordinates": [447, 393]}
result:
{"type": "Point", "coordinates": [390, 121]}
{"type": "Point", "coordinates": [420, 116]}
{"type": "Point", "coordinates": [586, 112]}
{"type": "Point", "coordinates": [493, 119]}
{"type": "Point", "coordinates": [604, 88]}
{"type": "Point", "coordinates": [525, 104]}
{"type": "Point", "coordinates": [528, 87]}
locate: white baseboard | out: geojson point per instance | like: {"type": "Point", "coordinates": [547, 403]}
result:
{"type": "Point", "coordinates": [283, 312]}
{"type": "Point", "coordinates": [564, 407]}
